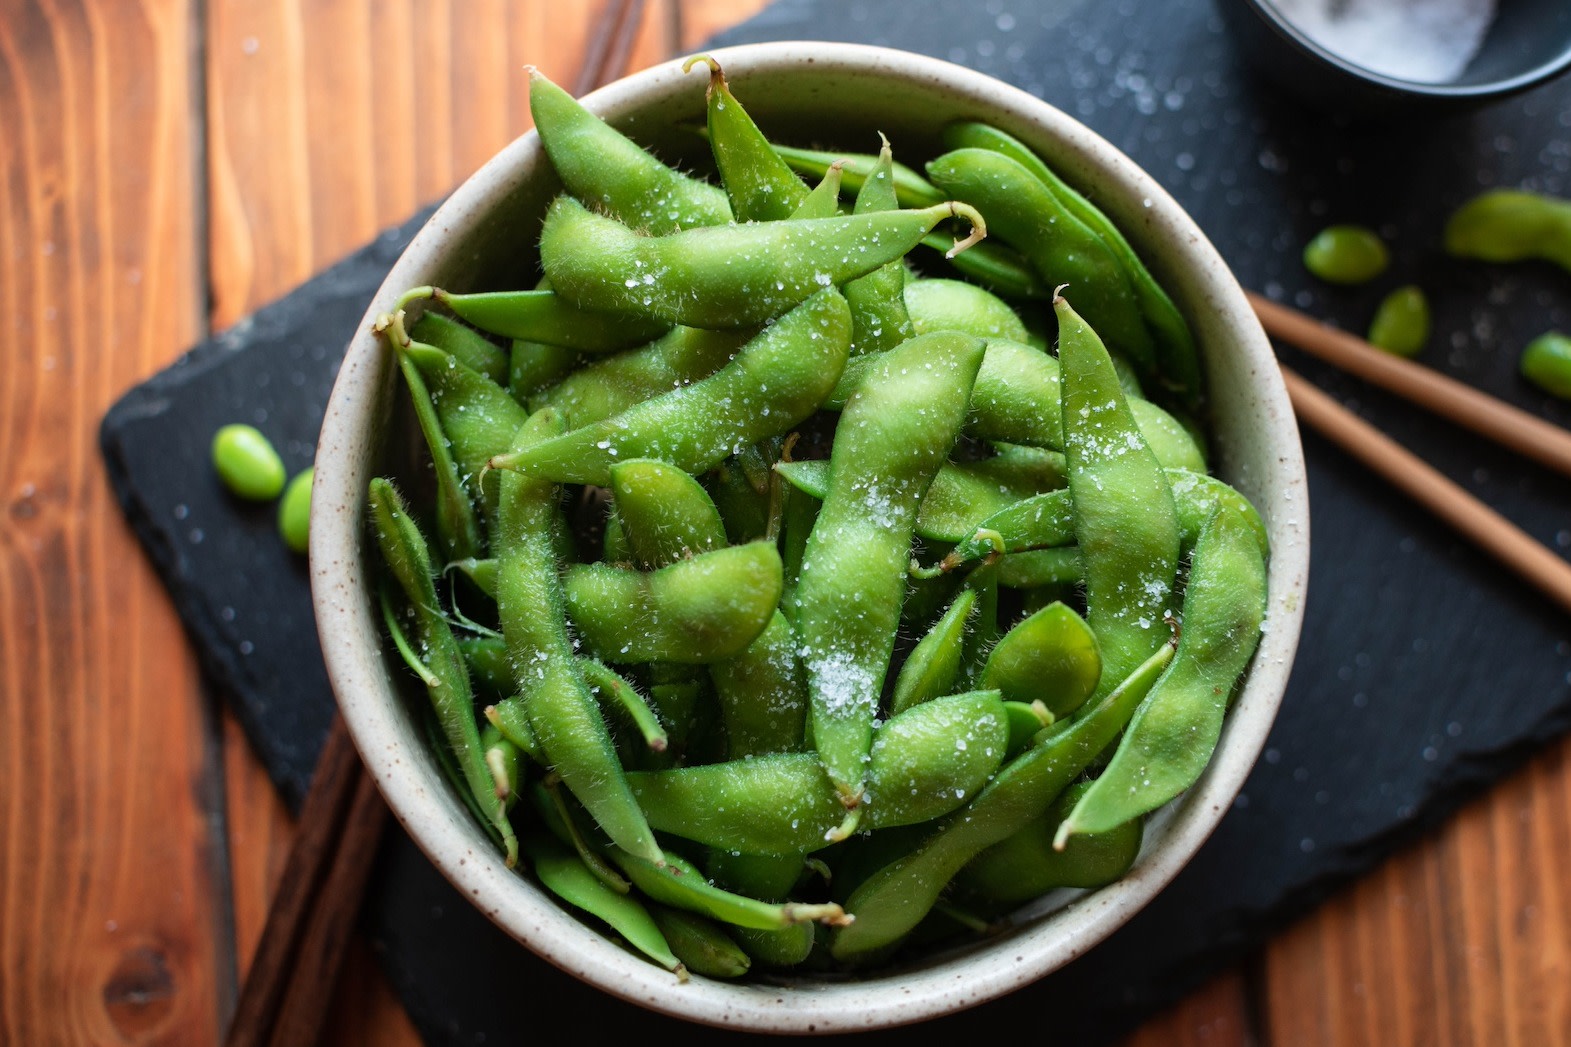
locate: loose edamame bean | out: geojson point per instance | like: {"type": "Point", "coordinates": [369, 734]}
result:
{"type": "Point", "coordinates": [247, 463]}
{"type": "Point", "coordinates": [1401, 322]}
{"type": "Point", "coordinates": [1509, 225]}
{"type": "Point", "coordinates": [294, 511]}
{"type": "Point", "coordinates": [1546, 362]}
{"type": "Point", "coordinates": [1346, 254]}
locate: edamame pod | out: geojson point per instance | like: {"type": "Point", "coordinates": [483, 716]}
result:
{"type": "Point", "coordinates": [923, 763]}
{"type": "Point", "coordinates": [565, 876]}
{"type": "Point", "coordinates": [1125, 522]}
{"type": "Point", "coordinates": [879, 320]}
{"type": "Point", "coordinates": [893, 436]}
{"type": "Point", "coordinates": [937, 304]}
{"type": "Point", "coordinates": [892, 901]}
{"type": "Point", "coordinates": [775, 381]}
{"type": "Point", "coordinates": [692, 611]}
{"type": "Point", "coordinates": [727, 276]}
{"type": "Point", "coordinates": [563, 714]}
{"type": "Point", "coordinates": [701, 944]}
{"type": "Point", "coordinates": [934, 663]}
{"type": "Point", "coordinates": [467, 345]}
{"type": "Point", "coordinates": [1051, 657]}
{"type": "Point", "coordinates": [681, 885]}
{"type": "Point", "coordinates": [440, 663]}
{"type": "Point", "coordinates": [666, 514]}
{"type": "Point", "coordinates": [1026, 865]}
{"type": "Point", "coordinates": [544, 316]}
{"type": "Point", "coordinates": [1058, 245]}
{"type": "Point", "coordinates": [1509, 225]}
{"type": "Point", "coordinates": [601, 165]}
{"type": "Point", "coordinates": [1177, 359]}
{"type": "Point", "coordinates": [758, 183]}
{"type": "Point", "coordinates": [1171, 738]}
{"type": "Point", "coordinates": [612, 385]}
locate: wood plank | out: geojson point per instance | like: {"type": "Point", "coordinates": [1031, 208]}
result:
{"type": "Point", "coordinates": [1215, 1015]}
{"type": "Point", "coordinates": [313, 150]}
{"type": "Point", "coordinates": [1458, 940]}
{"type": "Point", "coordinates": [110, 926]}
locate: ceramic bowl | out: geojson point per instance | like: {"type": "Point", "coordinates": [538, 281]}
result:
{"type": "Point", "coordinates": [1527, 43]}
{"type": "Point", "coordinates": [839, 95]}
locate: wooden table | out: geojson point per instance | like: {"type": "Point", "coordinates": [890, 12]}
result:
{"type": "Point", "coordinates": [168, 166]}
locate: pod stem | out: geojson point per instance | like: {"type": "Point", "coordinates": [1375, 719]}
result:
{"type": "Point", "coordinates": [978, 226]}
{"type": "Point", "coordinates": [716, 74]}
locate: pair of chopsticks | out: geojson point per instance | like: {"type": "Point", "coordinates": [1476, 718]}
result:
{"type": "Point", "coordinates": [1508, 426]}
{"type": "Point", "coordinates": [300, 955]}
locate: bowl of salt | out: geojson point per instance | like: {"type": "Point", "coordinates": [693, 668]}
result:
{"type": "Point", "coordinates": [1381, 58]}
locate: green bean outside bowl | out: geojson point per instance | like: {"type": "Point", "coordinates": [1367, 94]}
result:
{"type": "Point", "coordinates": [247, 463]}
{"type": "Point", "coordinates": [1401, 322]}
{"type": "Point", "coordinates": [294, 511]}
{"type": "Point", "coordinates": [1546, 362]}
{"type": "Point", "coordinates": [1346, 254]}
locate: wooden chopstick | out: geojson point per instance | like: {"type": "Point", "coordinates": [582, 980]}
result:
{"type": "Point", "coordinates": [606, 56]}
{"type": "Point", "coordinates": [326, 937]}
{"type": "Point", "coordinates": [334, 785]}
{"type": "Point", "coordinates": [1423, 483]}
{"type": "Point", "coordinates": [293, 974]}
{"type": "Point", "coordinates": [1509, 426]}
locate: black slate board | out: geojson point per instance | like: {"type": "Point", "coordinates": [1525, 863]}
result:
{"type": "Point", "coordinates": [1424, 673]}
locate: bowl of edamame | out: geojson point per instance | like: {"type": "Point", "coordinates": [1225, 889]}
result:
{"type": "Point", "coordinates": [811, 538]}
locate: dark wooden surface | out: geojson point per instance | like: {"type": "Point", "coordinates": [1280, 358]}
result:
{"type": "Point", "coordinates": [168, 166]}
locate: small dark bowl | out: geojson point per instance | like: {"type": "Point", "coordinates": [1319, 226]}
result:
{"type": "Point", "coordinates": [1528, 42]}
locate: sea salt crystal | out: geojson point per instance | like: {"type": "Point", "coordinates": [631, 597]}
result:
{"type": "Point", "coordinates": [1423, 41]}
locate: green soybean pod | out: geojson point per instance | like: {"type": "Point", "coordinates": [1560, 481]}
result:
{"type": "Point", "coordinates": [937, 304]}
{"type": "Point", "coordinates": [440, 662]}
{"type": "Point", "coordinates": [932, 758]}
{"type": "Point", "coordinates": [762, 693]}
{"type": "Point", "coordinates": [1510, 225]}
{"type": "Point", "coordinates": [546, 317]}
{"type": "Point", "coordinates": [1346, 254]}
{"type": "Point", "coordinates": [893, 436]}
{"type": "Point", "coordinates": [1546, 362]}
{"type": "Point", "coordinates": [774, 382]}
{"type": "Point", "coordinates": [1026, 865]}
{"type": "Point", "coordinates": [247, 463]}
{"type": "Point", "coordinates": [560, 871]}
{"type": "Point", "coordinates": [467, 345]}
{"type": "Point", "coordinates": [1023, 213]}
{"type": "Point", "coordinates": [1178, 361]}
{"type": "Point", "coordinates": [601, 165]}
{"type": "Point", "coordinates": [693, 611]}
{"type": "Point", "coordinates": [780, 948]}
{"type": "Point", "coordinates": [1050, 657]}
{"type": "Point", "coordinates": [1126, 525]}
{"type": "Point", "coordinates": [824, 200]}
{"type": "Point", "coordinates": [562, 713]}
{"type": "Point", "coordinates": [725, 276]}
{"type": "Point", "coordinates": [665, 513]}
{"type": "Point", "coordinates": [701, 944]}
{"type": "Point", "coordinates": [1401, 322]}
{"type": "Point", "coordinates": [888, 905]}
{"type": "Point", "coordinates": [681, 885]}
{"type": "Point", "coordinates": [879, 319]}
{"type": "Point", "coordinates": [933, 665]}
{"type": "Point", "coordinates": [609, 386]}
{"type": "Point", "coordinates": [760, 186]}
{"type": "Point", "coordinates": [1169, 742]}
{"type": "Point", "coordinates": [294, 511]}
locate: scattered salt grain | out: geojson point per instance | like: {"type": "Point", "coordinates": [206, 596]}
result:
{"type": "Point", "coordinates": [1423, 41]}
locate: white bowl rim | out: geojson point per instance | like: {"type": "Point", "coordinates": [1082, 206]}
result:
{"type": "Point", "coordinates": [880, 1000]}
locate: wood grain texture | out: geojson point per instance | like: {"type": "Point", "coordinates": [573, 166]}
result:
{"type": "Point", "coordinates": [313, 150]}
{"type": "Point", "coordinates": [108, 933]}
{"type": "Point", "coordinates": [1215, 1015]}
{"type": "Point", "coordinates": [1461, 940]}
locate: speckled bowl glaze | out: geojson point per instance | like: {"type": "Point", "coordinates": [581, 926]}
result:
{"type": "Point", "coordinates": [481, 239]}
